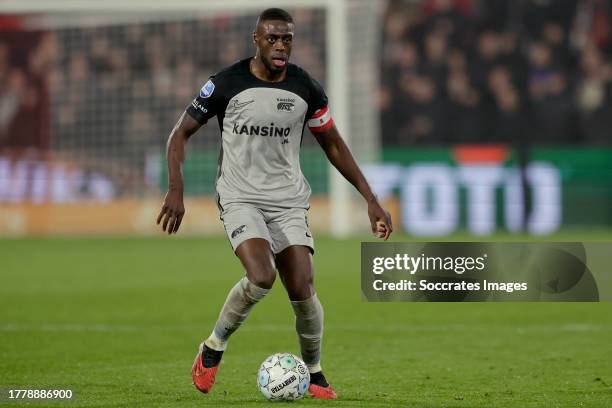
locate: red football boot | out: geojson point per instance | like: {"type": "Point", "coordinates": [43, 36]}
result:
{"type": "Point", "coordinates": [203, 377]}
{"type": "Point", "coordinates": [317, 391]}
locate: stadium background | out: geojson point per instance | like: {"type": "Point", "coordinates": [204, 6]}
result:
{"type": "Point", "coordinates": [473, 120]}
{"type": "Point", "coordinates": [478, 116]}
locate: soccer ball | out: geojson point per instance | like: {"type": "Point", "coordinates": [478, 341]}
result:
{"type": "Point", "coordinates": [283, 377]}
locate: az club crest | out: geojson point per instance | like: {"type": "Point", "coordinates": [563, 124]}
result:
{"type": "Point", "coordinates": [285, 107]}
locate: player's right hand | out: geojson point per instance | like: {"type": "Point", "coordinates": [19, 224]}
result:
{"type": "Point", "coordinates": [172, 212]}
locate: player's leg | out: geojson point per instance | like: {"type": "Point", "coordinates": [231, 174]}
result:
{"type": "Point", "coordinates": [249, 237]}
{"type": "Point", "coordinates": [293, 244]}
{"type": "Point", "coordinates": [295, 269]}
{"type": "Point", "coordinates": [257, 259]}
{"type": "Point", "coordinates": [294, 265]}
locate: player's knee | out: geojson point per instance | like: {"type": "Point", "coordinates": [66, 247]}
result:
{"type": "Point", "coordinates": [264, 282]}
{"type": "Point", "coordinates": [300, 291]}
{"type": "Point", "coordinates": [262, 277]}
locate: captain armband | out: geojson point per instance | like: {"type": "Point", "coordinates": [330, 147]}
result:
{"type": "Point", "coordinates": [321, 120]}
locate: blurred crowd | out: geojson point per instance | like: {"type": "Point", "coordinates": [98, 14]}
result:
{"type": "Point", "coordinates": [453, 71]}
{"type": "Point", "coordinates": [24, 96]}
{"type": "Point", "coordinates": [107, 94]}
{"type": "Point", "coordinates": [497, 71]}
{"type": "Point", "coordinates": [147, 74]}
{"type": "Point", "coordinates": [113, 84]}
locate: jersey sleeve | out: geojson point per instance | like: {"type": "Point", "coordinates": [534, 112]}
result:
{"type": "Point", "coordinates": [206, 103]}
{"type": "Point", "coordinates": [318, 116]}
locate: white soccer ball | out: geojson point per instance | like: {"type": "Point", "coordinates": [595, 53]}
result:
{"type": "Point", "coordinates": [283, 377]}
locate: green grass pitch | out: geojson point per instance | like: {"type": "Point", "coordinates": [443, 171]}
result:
{"type": "Point", "coordinates": [118, 321]}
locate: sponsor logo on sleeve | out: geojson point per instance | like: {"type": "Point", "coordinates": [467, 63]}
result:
{"type": "Point", "coordinates": [207, 89]}
{"type": "Point", "coordinates": [198, 106]}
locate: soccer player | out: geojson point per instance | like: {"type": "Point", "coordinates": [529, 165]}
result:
{"type": "Point", "coordinates": [262, 105]}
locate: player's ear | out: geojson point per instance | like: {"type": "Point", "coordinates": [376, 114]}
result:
{"type": "Point", "coordinates": [255, 37]}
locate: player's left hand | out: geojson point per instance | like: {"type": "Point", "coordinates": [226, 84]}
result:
{"type": "Point", "coordinates": [380, 220]}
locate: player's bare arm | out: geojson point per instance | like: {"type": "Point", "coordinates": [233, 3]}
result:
{"type": "Point", "coordinates": [173, 209]}
{"type": "Point", "coordinates": [340, 156]}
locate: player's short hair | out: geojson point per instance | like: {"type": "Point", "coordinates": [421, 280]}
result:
{"type": "Point", "coordinates": [275, 14]}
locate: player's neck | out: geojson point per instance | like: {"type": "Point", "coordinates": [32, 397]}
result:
{"type": "Point", "coordinates": [259, 70]}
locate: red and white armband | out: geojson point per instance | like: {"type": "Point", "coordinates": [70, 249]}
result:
{"type": "Point", "coordinates": [321, 120]}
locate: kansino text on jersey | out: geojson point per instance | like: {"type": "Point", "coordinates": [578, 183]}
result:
{"type": "Point", "coordinates": [272, 131]}
{"type": "Point", "coordinates": [423, 284]}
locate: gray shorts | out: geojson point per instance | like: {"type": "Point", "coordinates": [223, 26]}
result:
{"type": "Point", "coordinates": [281, 228]}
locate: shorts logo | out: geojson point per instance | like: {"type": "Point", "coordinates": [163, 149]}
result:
{"type": "Point", "coordinates": [238, 231]}
{"type": "Point", "coordinates": [207, 89]}
{"type": "Point", "coordinates": [285, 107]}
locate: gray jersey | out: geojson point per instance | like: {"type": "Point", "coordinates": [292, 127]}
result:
{"type": "Point", "coordinates": [261, 128]}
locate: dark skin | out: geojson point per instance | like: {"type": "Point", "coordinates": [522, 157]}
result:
{"type": "Point", "coordinates": [273, 40]}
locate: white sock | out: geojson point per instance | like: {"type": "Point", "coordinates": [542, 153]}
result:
{"type": "Point", "coordinates": [238, 304]}
{"type": "Point", "coordinates": [309, 327]}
